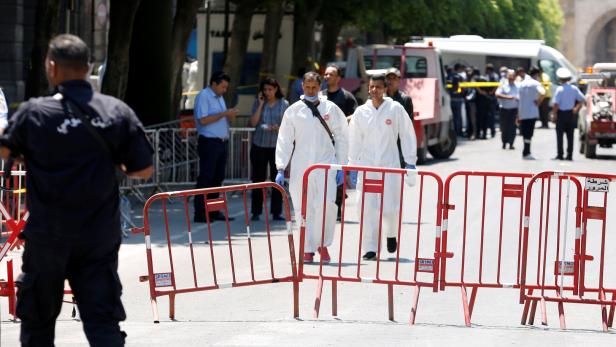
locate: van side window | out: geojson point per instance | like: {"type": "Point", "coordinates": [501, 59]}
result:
{"type": "Point", "coordinates": [549, 67]}
{"type": "Point", "coordinates": [416, 67]}
{"type": "Point", "coordinates": [382, 62]}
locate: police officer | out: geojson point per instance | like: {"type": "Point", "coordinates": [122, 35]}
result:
{"type": "Point", "coordinates": [72, 143]}
{"type": "Point", "coordinates": [567, 101]}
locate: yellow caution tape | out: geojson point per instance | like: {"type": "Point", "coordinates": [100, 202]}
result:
{"type": "Point", "coordinates": [483, 84]}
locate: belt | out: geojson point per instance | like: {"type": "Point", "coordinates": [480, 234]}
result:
{"type": "Point", "coordinates": [567, 111]}
{"type": "Point", "coordinates": [217, 139]}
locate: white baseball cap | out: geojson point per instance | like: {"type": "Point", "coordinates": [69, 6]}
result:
{"type": "Point", "coordinates": [563, 73]}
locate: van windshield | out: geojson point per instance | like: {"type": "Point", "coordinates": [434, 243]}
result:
{"type": "Point", "coordinates": [415, 67]}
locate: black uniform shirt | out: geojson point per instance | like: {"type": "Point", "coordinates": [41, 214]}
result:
{"type": "Point", "coordinates": [344, 100]}
{"type": "Point", "coordinates": [405, 101]}
{"type": "Point", "coordinates": [72, 190]}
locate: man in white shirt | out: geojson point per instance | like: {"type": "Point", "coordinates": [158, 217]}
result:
{"type": "Point", "coordinates": [507, 95]}
{"type": "Point", "coordinates": [531, 93]}
{"type": "Point", "coordinates": [304, 141]}
{"type": "Point", "coordinates": [374, 131]}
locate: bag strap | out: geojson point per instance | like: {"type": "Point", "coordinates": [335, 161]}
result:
{"type": "Point", "coordinates": [81, 114]}
{"type": "Point", "coordinates": [315, 112]}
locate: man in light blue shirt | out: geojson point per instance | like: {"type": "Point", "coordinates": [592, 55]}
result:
{"type": "Point", "coordinates": [507, 95]}
{"type": "Point", "coordinates": [531, 94]}
{"type": "Point", "coordinates": [4, 112]}
{"type": "Point", "coordinates": [567, 101]}
{"type": "Point", "coordinates": [212, 119]}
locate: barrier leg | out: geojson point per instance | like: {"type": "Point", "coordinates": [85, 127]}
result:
{"type": "Point", "coordinates": [561, 315]}
{"type": "Point", "coordinates": [317, 300]}
{"type": "Point", "coordinates": [533, 309]}
{"type": "Point", "coordinates": [544, 314]}
{"type": "Point", "coordinates": [295, 299]}
{"type": "Point", "coordinates": [472, 303]}
{"type": "Point", "coordinates": [604, 320]}
{"type": "Point", "coordinates": [526, 306]}
{"type": "Point", "coordinates": [335, 298]}
{"type": "Point", "coordinates": [172, 306]}
{"type": "Point", "coordinates": [612, 307]}
{"type": "Point", "coordinates": [415, 302]}
{"type": "Point", "coordinates": [154, 309]}
{"type": "Point", "coordinates": [390, 301]}
{"type": "Point", "coordinates": [11, 287]}
{"type": "Point", "coordinates": [467, 316]}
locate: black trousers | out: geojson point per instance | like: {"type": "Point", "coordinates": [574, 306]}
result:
{"type": "Point", "coordinates": [527, 128]}
{"type": "Point", "coordinates": [544, 112]}
{"type": "Point", "coordinates": [507, 125]}
{"type": "Point", "coordinates": [91, 270]}
{"type": "Point", "coordinates": [483, 113]}
{"type": "Point", "coordinates": [212, 165]}
{"type": "Point", "coordinates": [565, 124]}
{"type": "Point", "coordinates": [470, 118]}
{"type": "Point", "coordinates": [261, 158]}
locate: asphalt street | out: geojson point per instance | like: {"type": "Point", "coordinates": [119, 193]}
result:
{"type": "Point", "coordinates": [263, 314]}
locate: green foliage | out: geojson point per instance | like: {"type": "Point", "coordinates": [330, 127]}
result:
{"type": "Point", "coordinates": [399, 19]}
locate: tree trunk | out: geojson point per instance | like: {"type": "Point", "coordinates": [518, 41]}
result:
{"type": "Point", "coordinates": [240, 33]}
{"type": "Point", "coordinates": [121, 19]}
{"type": "Point", "coordinates": [183, 23]}
{"type": "Point", "coordinates": [329, 39]}
{"type": "Point", "coordinates": [304, 17]}
{"type": "Point", "coordinates": [149, 74]}
{"type": "Point", "coordinates": [45, 27]}
{"type": "Point", "coordinates": [271, 35]}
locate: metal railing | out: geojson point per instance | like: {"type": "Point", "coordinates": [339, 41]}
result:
{"type": "Point", "coordinates": [176, 160]}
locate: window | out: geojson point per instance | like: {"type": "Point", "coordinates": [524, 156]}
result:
{"type": "Point", "coordinates": [416, 67]}
{"type": "Point", "coordinates": [549, 67]}
{"type": "Point", "coordinates": [382, 62]}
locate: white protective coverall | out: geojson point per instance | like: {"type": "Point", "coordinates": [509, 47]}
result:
{"type": "Point", "coordinates": [373, 142]}
{"type": "Point", "coordinates": [303, 141]}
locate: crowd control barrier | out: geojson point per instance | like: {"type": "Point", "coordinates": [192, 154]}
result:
{"type": "Point", "coordinates": [170, 237]}
{"type": "Point", "coordinates": [482, 232]}
{"type": "Point", "coordinates": [417, 229]}
{"type": "Point", "coordinates": [568, 254]}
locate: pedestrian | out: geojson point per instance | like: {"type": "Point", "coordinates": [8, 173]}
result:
{"type": "Point", "coordinates": [392, 77]}
{"type": "Point", "coordinates": [295, 91]}
{"type": "Point", "coordinates": [544, 108]}
{"type": "Point", "coordinates": [212, 119]}
{"type": "Point", "coordinates": [267, 112]}
{"type": "Point", "coordinates": [531, 93]}
{"type": "Point", "coordinates": [374, 130]}
{"type": "Point", "coordinates": [313, 131]}
{"type": "Point", "coordinates": [470, 104]}
{"type": "Point", "coordinates": [4, 112]}
{"type": "Point", "coordinates": [346, 102]}
{"type": "Point", "coordinates": [72, 143]}
{"type": "Point", "coordinates": [567, 102]}
{"type": "Point", "coordinates": [491, 76]}
{"type": "Point", "coordinates": [335, 93]}
{"type": "Point", "coordinates": [507, 94]}
{"type": "Point", "coordinates": [484, 105]}
{"type": "Point", "coordinates": [457, 97]}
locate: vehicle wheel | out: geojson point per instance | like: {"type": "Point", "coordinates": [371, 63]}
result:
{"type": "Point", "coordinates": [422, 154]}
{"type": "Point", "coordinates": [445, 149]}
{"type": "Point", "coordinates": [590, 151]}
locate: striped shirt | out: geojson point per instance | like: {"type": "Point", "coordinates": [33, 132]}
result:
{"type": "Point", "coordinates": [270, 115]}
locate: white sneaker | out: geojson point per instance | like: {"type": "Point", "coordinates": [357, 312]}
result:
{"type": "Point", "coordinates": [528, 157]}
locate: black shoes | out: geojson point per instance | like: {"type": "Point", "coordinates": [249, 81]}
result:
{"type": "Point", "coordinates": [569, 158]}
{"type": "Point", "coordinates": [392, 244]}
{"type": "Point", "coordinates": [558, 157]}
{"type": "Point", "coordinates": [370, 256]}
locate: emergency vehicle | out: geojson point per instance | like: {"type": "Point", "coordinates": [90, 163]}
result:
{"type": "Point", "coordinates": [422, 77]}
{"type": "Point", "coordinates": [596, 121]}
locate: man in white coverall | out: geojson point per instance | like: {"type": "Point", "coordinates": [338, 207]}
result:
{"type": "Point", "coordinates": [374, 130]}
{"type": "Point", "coordinates": [303, 140]}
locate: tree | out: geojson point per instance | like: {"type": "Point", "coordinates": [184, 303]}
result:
{"type": "Point", "coordinates": [239, 44]}
{"type": "Point", "coordinates": [183, 23]}
{"type": "Point", "coordinates": [45, 28]}
{"type": "Point", "coordinates": [271, 34]}
{"type": "Point", "coordinates": [121, 19]}
{"type": "Point", "coordinates": [304, 17]}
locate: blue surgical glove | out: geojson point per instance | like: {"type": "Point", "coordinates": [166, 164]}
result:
{"type": "Point", "coordinates": [410, 167]}
{"type": "Point", "coordinates": [280, 177]}
{"type": "Point", "coordinates": [353, 178]}
{"type": "Point", "coordinates": [339, 177]}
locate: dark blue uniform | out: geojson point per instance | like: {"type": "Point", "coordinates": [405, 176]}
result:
{"type": "Point", "coordinates": [74, 227]}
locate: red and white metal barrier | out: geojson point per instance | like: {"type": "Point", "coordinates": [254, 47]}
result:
{"type": "Point", "coordinates": [482, 232]}
{"type": "Point", "coordinates": [414, 263]}
{"type": "Point", "coordinates": [571, 241]}
{"type": "Point", "coordinates": [167, 219]}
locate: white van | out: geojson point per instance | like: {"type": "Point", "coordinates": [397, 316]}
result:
{"type": "Point", "coordinates": [472, 50]}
